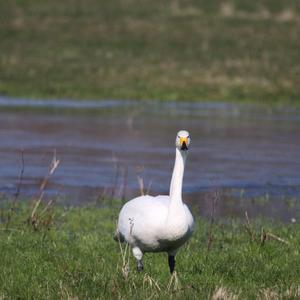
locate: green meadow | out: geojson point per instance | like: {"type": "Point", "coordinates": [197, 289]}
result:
{"type": "Point", "coordinates": [235, 50]}
{"type": "Point", "coordinates": [69, 253]}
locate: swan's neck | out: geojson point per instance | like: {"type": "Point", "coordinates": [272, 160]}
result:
{"type": "Point", "coordinates": [177, 177]}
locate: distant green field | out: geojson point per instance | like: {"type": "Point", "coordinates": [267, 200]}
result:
{"type": "Point", "coordinates": [234, 50]}
{"type": "Point", "coordinates": [70, 254]}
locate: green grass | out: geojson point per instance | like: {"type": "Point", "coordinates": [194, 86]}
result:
{"type": "Point", "coordinates": [71, 255]}
{"type": "Point", "coordinates": [235, 50]}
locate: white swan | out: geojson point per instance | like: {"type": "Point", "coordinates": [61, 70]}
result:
{"type": "Point", "coordinates": [161, 223]}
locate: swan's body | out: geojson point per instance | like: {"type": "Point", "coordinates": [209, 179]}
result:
{"type": "Point", "coordinates": [143, 223]}
{"type": "Point", "coordinates": [161, 223]}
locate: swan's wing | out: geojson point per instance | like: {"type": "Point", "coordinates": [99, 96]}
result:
{"type": "Point", "coordinates": [189, 217]}
{"type": "Point", "coordinates": [145, 204]}
{"type": "Point", "coordinates": [143, 217]}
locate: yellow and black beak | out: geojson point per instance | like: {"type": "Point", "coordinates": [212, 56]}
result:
{"type": "Point", "coordinates": [184, 143]}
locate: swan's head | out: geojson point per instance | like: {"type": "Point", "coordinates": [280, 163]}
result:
{"type": "Point", "coordinates": [183, 140]}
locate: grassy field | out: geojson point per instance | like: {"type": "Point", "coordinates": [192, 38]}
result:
{"type": "Point", "coordinates": [236, 50]}
{"type": "Point", "coordinates": [70, 254]}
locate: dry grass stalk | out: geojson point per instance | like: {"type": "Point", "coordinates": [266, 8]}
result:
{"type": "Point", "coordinates": [34, 219]}
{"type": "Point", "coordinates": [222, 293]}
{"type": "Point", "coordinates": [141, 185]}
{"type": "Point", "coordinates": [148, 188]}
{"type": "Point", "coordinates": [151, 282]}
{"type": "Point", "coordinates": [149, 298]}
{"type": "Point", "coordinates": [46, 207]}
{"type": "Point", "coordinates": [249, 228]}
{"type": "Point", "coordinates": [37, 203]}
{"type": "Point", "coordinates": [273, 236]}
{"type": "Point", "coordinates": [271, 294]}
{"type": "Point", "coordinates": [293, 292]}
{"type": "Point", "coordinates": [263, 236]}
{"type": "Point", "coordinates": [174, 283]}
{"type": "Point", "coordinates": [268, 294]}
{"type": "Point", "coordinates": [53, 166]}
{"type": "Point", "coordinates": [125, 255]}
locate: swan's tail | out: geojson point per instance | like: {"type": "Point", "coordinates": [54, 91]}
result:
{"type": "Point", "coordinates": [118, 237]}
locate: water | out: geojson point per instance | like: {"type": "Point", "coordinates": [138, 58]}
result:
{"type": "Point", "coordinates": [242, 151]}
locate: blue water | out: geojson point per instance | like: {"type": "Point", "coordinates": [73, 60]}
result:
{"type": "Point", "coordinates": [250, 150]}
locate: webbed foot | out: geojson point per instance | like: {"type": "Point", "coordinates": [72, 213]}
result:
{"type": "Point", "coordinates": [139, 266]}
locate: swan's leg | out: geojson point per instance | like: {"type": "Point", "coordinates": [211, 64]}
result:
{"type": "Point", "coordinates": [138, 254]}
{"type": "Point", "coordinates": [139, 265]}
{"type": "Point", "coordinates": [171, 259]}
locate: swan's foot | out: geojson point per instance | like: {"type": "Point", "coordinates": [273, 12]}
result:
{"type": "Point", "coordinates": [139, 265]}
{"type": "Point", "coordinates": [171, 259]}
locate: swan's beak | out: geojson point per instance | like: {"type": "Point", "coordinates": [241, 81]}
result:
{"type": "Point", "coordinates": [183, 143]}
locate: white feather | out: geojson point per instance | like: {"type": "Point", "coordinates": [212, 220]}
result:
{"type": "Point", "coordinates": [161, 223]}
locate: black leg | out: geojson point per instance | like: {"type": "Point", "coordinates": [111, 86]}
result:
{"type": "Point", "coordinates": [139, 265]}
{"type": "Point", "coordinates": [171, 259]}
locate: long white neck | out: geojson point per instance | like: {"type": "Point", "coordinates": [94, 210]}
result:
{"type": "Point", "coordinates": [177, 177]}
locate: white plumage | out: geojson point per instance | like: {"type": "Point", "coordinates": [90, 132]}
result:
{"type": "Point", "coordinates": [161, 223]}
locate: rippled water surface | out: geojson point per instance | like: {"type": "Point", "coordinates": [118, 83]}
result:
{"type": "Point", "coordinates": [243, 152]}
